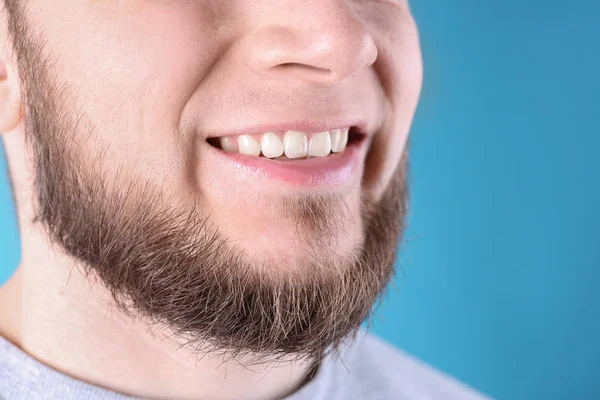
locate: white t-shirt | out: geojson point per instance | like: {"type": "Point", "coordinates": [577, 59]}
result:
{"type": "Point", "coordinates": [367, 369]}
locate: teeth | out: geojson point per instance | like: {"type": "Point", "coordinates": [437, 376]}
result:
{"type": "Point", "coordinates": [339, 140]}
{"type": "Point", "coordinates": [295, 145]}
{"type": "Point", "coordinates": [229, 144]}
{"type": "Point", "coordinates": [271, 145]}
{"type": "Point", "coordinates": [319, 145]}
{"type": "Point", "coordinates": [248, 145]}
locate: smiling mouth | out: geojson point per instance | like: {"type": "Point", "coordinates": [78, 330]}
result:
{"type": "Point", "coordinates": [290, 145]}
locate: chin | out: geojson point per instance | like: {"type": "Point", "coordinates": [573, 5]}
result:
{"type": "Point", "coordinates": [308, 232]}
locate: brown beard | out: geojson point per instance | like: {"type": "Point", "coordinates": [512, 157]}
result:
{"type": "Point", "coordinates": [168, 264]}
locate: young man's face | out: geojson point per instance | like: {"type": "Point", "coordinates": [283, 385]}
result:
{"type": "Point", "coordinates": [132, 106]}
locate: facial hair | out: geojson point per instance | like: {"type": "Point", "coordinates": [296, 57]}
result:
{"type": "Point", "coordinates": [167, 263]}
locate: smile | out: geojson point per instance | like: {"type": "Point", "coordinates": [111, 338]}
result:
{"type": "Point", "coordinates": [299, 158]}
{"type": "Point", "coordinates": [287, 145]}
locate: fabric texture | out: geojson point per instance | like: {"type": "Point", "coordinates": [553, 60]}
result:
{"type": "Point", "coordinates": [367, 368]}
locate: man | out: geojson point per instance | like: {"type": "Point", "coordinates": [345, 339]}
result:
{"type": "Point", "coordinates": [210, 197]}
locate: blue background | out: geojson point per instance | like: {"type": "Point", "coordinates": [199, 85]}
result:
{"type": "Point", "coordinates": [502, 254]}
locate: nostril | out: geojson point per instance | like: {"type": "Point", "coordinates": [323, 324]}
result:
{"type": "Point", "coordinates": [306, 71]}
{"type": "Point", "coordinates": [312, 68]}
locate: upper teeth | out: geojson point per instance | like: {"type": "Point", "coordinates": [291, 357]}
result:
{"type": "Point", "coordinates": [294, 144]}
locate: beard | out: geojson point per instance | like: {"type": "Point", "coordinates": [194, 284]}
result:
{"type": "Point", "coordinates": [168, 264]}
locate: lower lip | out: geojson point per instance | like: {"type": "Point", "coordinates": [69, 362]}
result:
{"type": "Point", "coordinates": [335, 169]}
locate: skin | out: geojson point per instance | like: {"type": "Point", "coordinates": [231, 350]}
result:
{"type": "Point", "coordinates": [238, 64]}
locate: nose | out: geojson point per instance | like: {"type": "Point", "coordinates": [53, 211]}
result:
{"type": "Point", "coordinates": [319, 41]}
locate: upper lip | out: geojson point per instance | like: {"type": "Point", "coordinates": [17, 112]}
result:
{"type": "Point", "coordinates": [306, 126]}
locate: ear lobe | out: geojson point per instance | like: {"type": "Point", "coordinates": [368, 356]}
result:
{"type": "Point", "coordinates": [10, 98]}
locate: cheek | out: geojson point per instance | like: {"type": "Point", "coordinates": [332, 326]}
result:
{"type": "Point", "coordinates": [131, 74]}
{"type": "Point", "coordinates": [400, 70]}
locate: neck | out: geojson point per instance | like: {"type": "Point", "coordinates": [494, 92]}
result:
{"type": "Point", "coordinates": [56, 314]}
